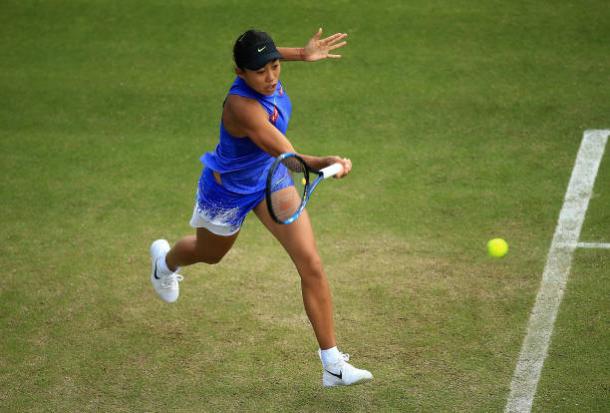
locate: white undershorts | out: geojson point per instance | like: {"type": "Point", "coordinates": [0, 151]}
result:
{"type": "Point", "coordinates": [215, 226]}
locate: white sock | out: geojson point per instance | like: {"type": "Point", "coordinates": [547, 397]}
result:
{"type": "Point", "coordinates": [162, 266]}
{"type": "Point", "coordinates": [329, 356]}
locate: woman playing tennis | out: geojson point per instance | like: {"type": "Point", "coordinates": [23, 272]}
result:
{"type": "Point", "coordinates": [254, 121]}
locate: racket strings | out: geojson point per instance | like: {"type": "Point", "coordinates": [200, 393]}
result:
{"type": "Point", "coordinates": [288, 186]}
{"type": "Point", "coordinates": [294, 165]}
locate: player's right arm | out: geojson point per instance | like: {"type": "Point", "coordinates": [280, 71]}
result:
{"type": "Point", "coordinates": [243, 117]}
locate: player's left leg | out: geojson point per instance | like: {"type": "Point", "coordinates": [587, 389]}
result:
{"type": "Point", "coordinates": [299, 241]}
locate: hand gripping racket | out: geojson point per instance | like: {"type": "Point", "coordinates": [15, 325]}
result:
{"type": "Point", "coordinates": [290, 185]}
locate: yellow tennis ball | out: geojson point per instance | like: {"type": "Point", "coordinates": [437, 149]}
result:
{"type": "Point", "coordinates": [497, 248]}
{"type": "Point", "coordinates": [303, 181]}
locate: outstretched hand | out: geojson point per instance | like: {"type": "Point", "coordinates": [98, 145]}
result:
{"type": "Point", "coordinates": [318, 49]}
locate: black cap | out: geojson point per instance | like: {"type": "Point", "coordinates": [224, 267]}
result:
{"type": "Point", "coordinates": [254, 49]}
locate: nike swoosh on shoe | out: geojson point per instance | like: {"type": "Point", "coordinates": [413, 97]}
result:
{"type": "Point", "coordinates": [155, 272]}
{"type": "Point", "coordinates": [339, 376]}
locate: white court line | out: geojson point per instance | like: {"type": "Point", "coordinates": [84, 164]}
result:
{"type": "Point", "coordinates": [555, 275]}
{"type": "Point", "coordinates": [594, 245]}
{"type": "Point", "coordinates": [586, 245]}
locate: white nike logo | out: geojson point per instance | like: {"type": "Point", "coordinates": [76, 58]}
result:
{"type": "Point", "coordinates": [261, 49]}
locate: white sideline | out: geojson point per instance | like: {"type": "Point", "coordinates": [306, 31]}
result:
{"type": "Point", "coordinates": [542, 319]}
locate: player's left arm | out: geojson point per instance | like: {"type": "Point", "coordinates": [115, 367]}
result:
{"type": "Point", "coordinates": [319, 49]}
{"type": "Point", "coordinates": [316, 48]}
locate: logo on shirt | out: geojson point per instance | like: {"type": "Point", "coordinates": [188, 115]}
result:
{"type": "Point", "coordinates": [275, 115]}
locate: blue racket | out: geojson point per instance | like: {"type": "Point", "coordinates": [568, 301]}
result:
{"type": "Point", "coordinates": [290, 183]}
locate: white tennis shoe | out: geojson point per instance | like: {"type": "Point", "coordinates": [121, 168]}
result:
{"type": "Point", "coordinates": [341, 373]}
{"type": "Point", "coordinates": [165, 284]}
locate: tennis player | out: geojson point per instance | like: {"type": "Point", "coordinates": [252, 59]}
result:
{"type": "Point", "coordinates": [254, 121]}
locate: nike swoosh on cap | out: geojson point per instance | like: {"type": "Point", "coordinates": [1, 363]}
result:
{"type": "Point", "coordinates": [261, 49]}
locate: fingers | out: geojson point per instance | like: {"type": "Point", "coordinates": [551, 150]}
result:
{"type": "Point", "coordinates": [318, 49]}
{"type": "Point", "coordinates": [336, 46]}
{"type": "Point", "coordinates": [333, 42]}
{"type": "Point", "coordinates": [334, 38]}
{"type": "Point", "coordinates": [318, 34]}
{"type": "Point", "coordinates": [347, 167]}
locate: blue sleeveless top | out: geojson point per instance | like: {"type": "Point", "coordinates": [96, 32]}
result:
{"type": "Point", "coordinates": [242, 164]}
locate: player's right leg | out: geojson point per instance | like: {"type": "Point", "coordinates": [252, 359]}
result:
{"type": "Point", "coordinates": [206, 247]}
{"type": "Point", "coordinates": [217, 217]}
{"type": "Point", "coordinates": [164, 280]}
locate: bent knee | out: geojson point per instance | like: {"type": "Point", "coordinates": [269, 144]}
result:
{"type": "Point", "coordinates": [311, 267]}
{"type": "Point", "coordinates": [210, 257]}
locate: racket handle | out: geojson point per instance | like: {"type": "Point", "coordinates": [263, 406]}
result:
{"type": "Point", "coordinates": [331, 170]}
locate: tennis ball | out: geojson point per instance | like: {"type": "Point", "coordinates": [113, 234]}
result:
{"type": "Point", "coordinates": [497, 248]}
{"type": "Point", "coordinates": [303, 181]}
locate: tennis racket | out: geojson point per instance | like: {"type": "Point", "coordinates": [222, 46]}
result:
{"type": "Point", "coordinates": [290, 183]}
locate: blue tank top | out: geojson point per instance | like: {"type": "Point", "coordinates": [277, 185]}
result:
{"type": "Point", "coordinates": [241, 163]}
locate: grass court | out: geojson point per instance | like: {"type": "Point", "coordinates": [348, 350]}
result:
{"type": "Point", "coordinates": [462, 119]}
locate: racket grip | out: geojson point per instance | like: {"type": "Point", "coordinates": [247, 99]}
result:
{"type": "Point", "coordinates": [331, 170]}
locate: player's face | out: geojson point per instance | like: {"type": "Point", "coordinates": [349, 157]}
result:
{"type": "Point", "coordinates": [263, 80]}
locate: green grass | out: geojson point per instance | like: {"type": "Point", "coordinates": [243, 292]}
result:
{"type": "Point", "coordinates": [576, 371]}
{"type": "Point", "coordinates": [463, 120]}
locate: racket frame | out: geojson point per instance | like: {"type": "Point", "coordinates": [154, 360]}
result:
{"type": "Point", "coordinates": [309, 187]}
